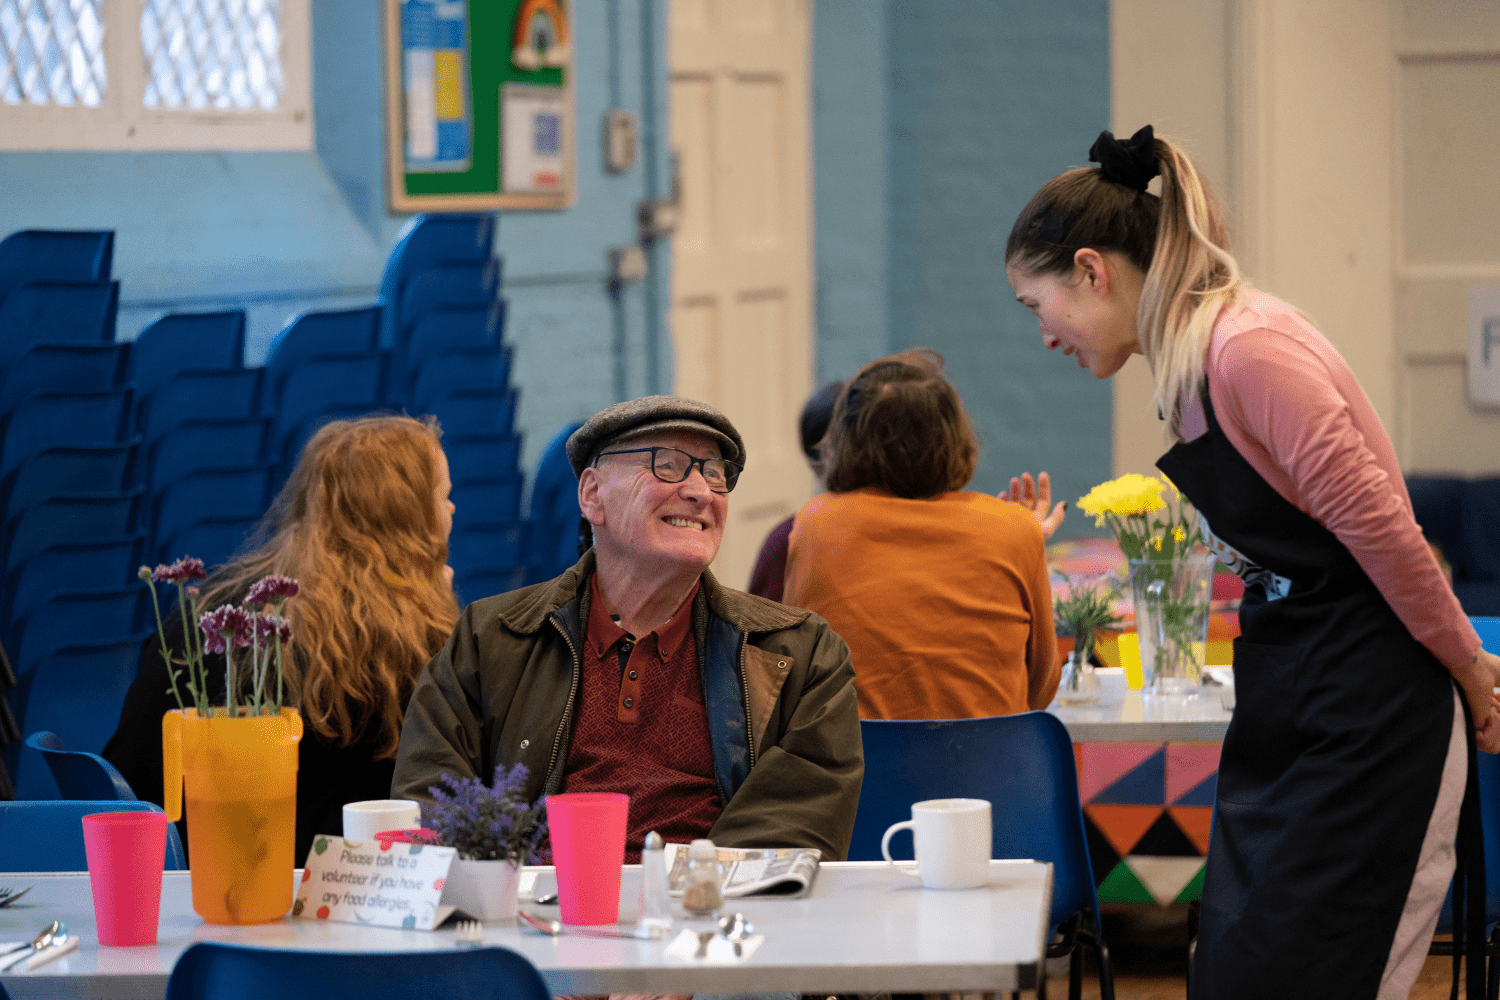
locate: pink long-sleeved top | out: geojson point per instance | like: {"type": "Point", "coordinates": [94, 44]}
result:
{"type": "Point", "coordinates": [1290, 405]}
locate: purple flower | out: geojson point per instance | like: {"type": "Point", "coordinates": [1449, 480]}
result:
{"type": "Point", "coordinates": [486, 823]}
{"type": "Point", "coordinates": [268, 627]}
{"type": "Point", "coordinates": [144, 572]}
{"type": "Point", "coordinates": [185, 569]}
{"type": "Point", "coordinates": [272, 588]}
{"type": "Point", "coordinates": [225, 627]}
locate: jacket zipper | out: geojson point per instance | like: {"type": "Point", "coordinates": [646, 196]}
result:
{"type": "Point", "coordinates": [745, 680]}
{"type": "Point", "coordinates": [549, 786]}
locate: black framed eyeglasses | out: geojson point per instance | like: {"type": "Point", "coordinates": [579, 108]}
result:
{"type": "Point", "coordinates": [673, 465]}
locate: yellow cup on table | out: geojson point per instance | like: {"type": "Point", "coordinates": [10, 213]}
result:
{"type": "Point", "coordinates": [1130, 659]}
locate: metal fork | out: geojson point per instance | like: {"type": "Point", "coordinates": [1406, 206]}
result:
{"type": "Point", "coordinates": [9, 895]}
{"type": "Point", "coordinates": [468, 934]}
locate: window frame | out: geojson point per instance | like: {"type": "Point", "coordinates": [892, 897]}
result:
{"type": "Point", "coordinates": [122, 123]}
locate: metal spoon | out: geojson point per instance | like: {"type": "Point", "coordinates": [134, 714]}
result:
{"type": "Point", "coordinates": [556, 928]}
{"type": "Point", "coordinates": [57, 931]}
{"type": "Point", "coordinates": [736, 928]}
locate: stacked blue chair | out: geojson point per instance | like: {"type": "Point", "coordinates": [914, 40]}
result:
{"type": "Point", "coordinates": [555, 514]}
{"type": "Point", "coordinates": [204, 435]}
{"type": "Point", "coordinates": [71, 493]}
{"type": "Point", "coordinates": [444, 323]}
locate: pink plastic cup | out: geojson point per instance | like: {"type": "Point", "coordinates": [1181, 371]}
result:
{"type": "Point", "coordinates": [125, 852]}
{"type": "Point", "coordinates": [588, 848]}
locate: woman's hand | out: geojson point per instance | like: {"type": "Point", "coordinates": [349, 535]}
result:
{"type": "Point", "coordinates": [1036, 497]}
{"type": "Point", "coordinates": [1479, 678]}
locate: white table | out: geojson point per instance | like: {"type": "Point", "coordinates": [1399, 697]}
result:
{"type": "Point", "coordinates": [863, 928]}
{"type": "Point", "coordinates": [1132, 718]}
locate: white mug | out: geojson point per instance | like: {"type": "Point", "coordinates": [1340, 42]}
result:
{"type": "Point", "coordinates": [952, 838]}
{"type": "Point", "coordinates": [363, 820]}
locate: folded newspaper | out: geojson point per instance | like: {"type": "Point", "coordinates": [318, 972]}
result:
{"type": "Point", "coordinates": [770, 871]}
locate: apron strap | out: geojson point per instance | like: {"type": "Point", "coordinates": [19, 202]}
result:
{"type": "Point", "coordinates": [1468, 879]}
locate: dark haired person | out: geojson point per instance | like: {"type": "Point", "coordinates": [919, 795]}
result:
{"type": "Point", "coordinates": [942, 594]}
{"type": "Point", "coordinates": [768, 578]}
{"type": "Point", "coordinates": [1342, 773]}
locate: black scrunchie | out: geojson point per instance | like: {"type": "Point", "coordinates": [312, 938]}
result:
{"type": "Point", "coordinates": [1131, 163]}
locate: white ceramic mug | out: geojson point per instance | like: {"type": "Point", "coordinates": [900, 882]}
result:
{"type": "Point", "coordinates": [952, 840]}
{"type": "Point", "coordinates": [363, 820]}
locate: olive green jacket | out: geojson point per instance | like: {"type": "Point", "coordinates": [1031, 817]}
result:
{"type": "Point", "coordinates": [778, 686]}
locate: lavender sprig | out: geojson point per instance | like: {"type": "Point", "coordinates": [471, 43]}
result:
{"type": "Point", "coordinates": [487, 823]}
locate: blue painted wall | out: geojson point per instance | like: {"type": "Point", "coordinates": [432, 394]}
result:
{"type": "Point", "coordinates": [277, 233]}
{"type": "Point", "coordinates": [966, 107]}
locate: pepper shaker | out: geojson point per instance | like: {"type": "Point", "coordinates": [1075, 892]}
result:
{"type": "Point", "coordinates": [703, 896]}
{"type": "Point", "coordinates": [656, 898]}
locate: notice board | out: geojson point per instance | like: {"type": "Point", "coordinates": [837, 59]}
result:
{"type": "Point", "coordinates": [479, 105]}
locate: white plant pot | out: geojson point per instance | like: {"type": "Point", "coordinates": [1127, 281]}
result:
{"type": "Point", "coordinates": [485, 890]}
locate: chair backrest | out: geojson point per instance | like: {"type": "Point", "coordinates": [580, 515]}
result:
{"type": "Point", "coordinates": [46, 835]}
{"type": "Point", "coordinates": [485, 501]}
{"type": "Point", "coordinates": [198, 394]}
{"type": "Point", "coordinates": [453, 327]}
{"type": "Point", "coordinates": [474, 411]}
{"type": "Point", "coordinates": [230, 493]}
{"type": "Point", "coordinates": [441, 375]}
{"type": "Point", "coordinates": [66, 418]}
{"type": "Point", "coordinates": [72, 616]}
{"type": "Point", "coordinates": [55, 255]}
{"type": "Point", "coordinates": [212, 971]}
{"type": "Point", "coordinates": [212, 443]}
{"type": "Point", "coordinates": [58, 312]}
{"type": "Point", "coordinates": [77, 517]}
{"type": "Point", "coordinates": [70, 469]}
{"type": "Point", "coordinates": [482, 456]}
{"type": "Point", "coordinates": [47, 366]}
{"type": "Point", "coordinates": [311, 334]}
{"type": "Point", "coordinates": [554, 510]}
{"type": "Point", "coordinates": [445, 285]}
{"type": "Point", "coordinates": [80, 774]}
{"type": "Point", "coordinates": [179, 342]}
{"type": "Point", "coordinates": [1023, 764]}
{"type": "Point", "coordinates": [212, 539]}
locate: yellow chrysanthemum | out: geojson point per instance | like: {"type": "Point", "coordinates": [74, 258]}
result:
{"type": "Point", "coordinates": [1131, 494]}
{"type": "Point", "coordinates": [1178, 534]}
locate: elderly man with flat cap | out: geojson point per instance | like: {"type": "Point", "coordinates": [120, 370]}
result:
{"type": "Point", "coordinates": [720, 714]}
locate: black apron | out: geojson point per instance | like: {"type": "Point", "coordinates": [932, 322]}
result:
{"type": "Point", "coordinates": [1331, 765]}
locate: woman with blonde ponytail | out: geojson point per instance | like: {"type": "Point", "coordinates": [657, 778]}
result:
{"type": "Point", "coordinates": [1347, 770]}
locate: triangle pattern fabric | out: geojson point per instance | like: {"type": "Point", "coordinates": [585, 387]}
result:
{"type": "Point", "coordinates": [1202, 794]}
{"type": "Point", "coordinates": [1123, 826]}
{"type": "Point", "coordinates": [1196, 822]}
{"type": "Point", "coordinates": [1102, 764]}
{"type": "Point", "coordinates": [1145, 784]}
{"type": "Point", "coordinates": [1123, 886]}
{"type": "Point", "coordinates": [1188, 766]}
{"type": "Point", "coordinates": [1165, 839]}
{"type": "Point", "coordinates": [1193, 890]}
{"type": "Point", "coordinates": [1102, 854]}
{"type": "Point", "coordinates": [1164, 878]}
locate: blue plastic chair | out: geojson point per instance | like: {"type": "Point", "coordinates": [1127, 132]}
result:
{"type": "Point", "coordinates": [70, 469]}
{"type": "Point", "coordinates": [108, 562]}
{"type": "Point", "coordinates": [487, 501]}
{"type": "Point", "coordinates": [237, 493]}
{"type": "Point", "coordinates": [44, 367]}
{"type": "Point", "coordinates": [57, 312]}
{"type": "Point", "coordinates": [482, 456]}
{"type": "Point", "coordinates": [554, 510]}
{"type": "Point", "coordinates": [479, 368]}
{"type": "Point", "coordinates": [1023, 764]}
{"type": "Point", "coordinates": [212, 539]}
{"type": "Point", "coordinates": [486, 581]}
{"type": "Point", "coordinates": [445, 286]}
{"type": "Point", "coordinates": [199, 394]}
{"type": "Point", "coordinates": [55, 255]}
{"type": "Point", "coordinates": [179, 342]}
{"type": "Point", "coordinates": [47, 835]}
{"type": "Point", "coordinates": [79, 517]}
{"type": "Point", "coordinates": [488, 544]}
{"type": "Point", "coordinates": [314, 334]}
{"type": "Point", "coordinates": [211, 443]}
{"type": "Point", "coordinates": [455, 328]}
{"type": "Point", "coordinates": [476, 411]}
{"type": "Point", "coordinates": [59, 621]}
{"type": "Point", "coordinates": [78, 773]}
{"type": "Point", "coordinates": [330, 383]}
{"type": "Point", "coordinates": [212, 971]}
{"type": "Point", "coordinates": [65, 418]}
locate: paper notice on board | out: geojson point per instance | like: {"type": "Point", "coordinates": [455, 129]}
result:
{"type": "Point", "coordinates": [435, 51]}
{"type": "Point", "coordinates": [533, 138]}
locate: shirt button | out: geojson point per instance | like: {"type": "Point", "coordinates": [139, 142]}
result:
{"type": "Point", "coordinates": [629, 702]}
{"type": "Point", "coordinates": [781, 664]}
{"type": "Point", "coordinates": [632, 675]}
{"type": "Point", "coordinates": [525, 744]}
{"type": "Point", "coordinates": [626, 647]}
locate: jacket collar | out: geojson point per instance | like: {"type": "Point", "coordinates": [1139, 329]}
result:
{"type": "Point", "coordinates": [743, 611]}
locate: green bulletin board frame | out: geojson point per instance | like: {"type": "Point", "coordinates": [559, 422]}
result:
{"type": "Point", "coordinates": [491, 38]}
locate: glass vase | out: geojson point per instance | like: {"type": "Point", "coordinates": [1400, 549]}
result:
{"type": "Point", "coordinates": [1172, 600]}
{"type": "Point", "coordinates": [1079, 684]}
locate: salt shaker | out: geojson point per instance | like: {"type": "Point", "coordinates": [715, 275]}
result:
{"type": "Point", "coordinates": [656, 899]}
{"type": "Point", "coordinates": [703, 896]}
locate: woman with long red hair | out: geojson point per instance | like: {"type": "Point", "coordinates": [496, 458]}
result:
{"type": "Point", "coordinates": [362, 524]}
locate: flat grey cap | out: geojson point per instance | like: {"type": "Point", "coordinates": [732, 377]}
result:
{"type": "Point", "coordinates": [650, 415]}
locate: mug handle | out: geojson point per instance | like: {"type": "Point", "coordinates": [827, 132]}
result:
{"type": "Point", "coordinates": [885, 846]}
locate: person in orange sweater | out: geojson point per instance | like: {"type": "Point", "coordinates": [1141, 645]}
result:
{"type": "Point", "coordinates": [941, 593]}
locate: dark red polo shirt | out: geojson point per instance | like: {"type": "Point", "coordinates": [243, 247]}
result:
{"type": "Point", "coordinates": [642, 728]}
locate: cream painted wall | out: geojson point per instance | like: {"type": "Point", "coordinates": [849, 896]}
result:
{"type": "Point", "coordinates": [1286, 105]}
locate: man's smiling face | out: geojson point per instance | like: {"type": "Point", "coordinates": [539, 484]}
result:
{"type": "Point", "coordinates": [638, 517]}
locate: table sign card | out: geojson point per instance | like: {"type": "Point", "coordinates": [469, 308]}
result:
{"type": "Point", "coordinates": [374, 882]}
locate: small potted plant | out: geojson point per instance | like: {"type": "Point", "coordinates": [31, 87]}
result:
{"type": "Point", "coordinates": [495, 832]}
{"type": "Point", "coordinates": [1085, 611]}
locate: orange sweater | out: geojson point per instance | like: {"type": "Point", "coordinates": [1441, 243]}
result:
{"type": "Point", "coordinates": [945, 602]}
